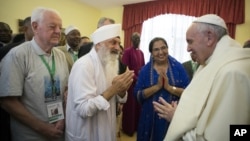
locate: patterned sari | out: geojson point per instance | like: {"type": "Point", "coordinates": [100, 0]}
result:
{"type": "Point", "coordinates": [151, 127]}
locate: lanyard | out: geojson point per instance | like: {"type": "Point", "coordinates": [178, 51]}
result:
{"type": "Point", "coordinates": [52, 73]}
{"type": "Point", "coordinates": [50, 70]}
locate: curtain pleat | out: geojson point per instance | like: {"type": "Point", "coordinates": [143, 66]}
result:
{"type": "Point", "coordinates": [232, 11]}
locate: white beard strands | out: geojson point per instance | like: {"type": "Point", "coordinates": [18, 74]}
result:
{"type": "Point", "coordinates": [111, 69]}
{"type": "Point", "coordinates": [110, 63]}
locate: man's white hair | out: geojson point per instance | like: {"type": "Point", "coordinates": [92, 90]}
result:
{"type": "Point", "coordinates": [38, 13]}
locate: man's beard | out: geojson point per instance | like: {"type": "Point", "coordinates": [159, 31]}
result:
{"type": "Point", "coordinates": [109, 62]}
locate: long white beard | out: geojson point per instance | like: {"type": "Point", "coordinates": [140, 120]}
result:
{"type": "Point", "coordinates": [110, 64]}
{"type": "Point", "coordinates": [111, 70]}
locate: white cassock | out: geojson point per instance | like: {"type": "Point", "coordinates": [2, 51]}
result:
{"type": "Point", "coordinates": [217, 97]}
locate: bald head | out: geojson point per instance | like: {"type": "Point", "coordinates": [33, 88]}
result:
{"type": "Point", "coordinates": [105, 21]}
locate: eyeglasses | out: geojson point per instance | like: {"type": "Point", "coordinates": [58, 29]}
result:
{"type": "Point", "coordinates": [163, 48]}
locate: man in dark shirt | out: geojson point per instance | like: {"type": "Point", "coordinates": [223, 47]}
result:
{"type": "Point", "coordinates": [28, 35]}
{"type": "Point", "coordinates": [5, 34]}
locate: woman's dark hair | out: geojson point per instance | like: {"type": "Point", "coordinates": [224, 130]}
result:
{"type": "Point", "coordinates": [155, 40]}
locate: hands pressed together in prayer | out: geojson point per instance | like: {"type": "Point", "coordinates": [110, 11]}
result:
{"type": "Point", "coordinates": [163, 81]}
{"type": "Point", "coordinates": [120, 85]}
{"type": "Point", "coordinates": [122, 82]}
{"type": "Point", "coordinates": [164, 109]}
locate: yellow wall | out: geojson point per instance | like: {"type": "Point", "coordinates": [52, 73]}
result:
{"type": "Point", "coordinates": [243, 30]}
{"type": "Point", "coordinates": [83, 16]}
{"type": "Point", "coordinates": [72, 12]}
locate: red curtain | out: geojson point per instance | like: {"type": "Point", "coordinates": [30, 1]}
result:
{"type": "Point", "coordinates": [232, 11]}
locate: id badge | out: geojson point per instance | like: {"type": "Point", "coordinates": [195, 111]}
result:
{"type": "Point", "coordinates": [55, 111]}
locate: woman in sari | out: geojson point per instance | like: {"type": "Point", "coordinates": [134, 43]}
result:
{"type": "Point", "coordinates": [163, 76]}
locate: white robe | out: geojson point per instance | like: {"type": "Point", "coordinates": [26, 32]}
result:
{"type": "Point", "coordinates": [217, 97]}
{"type": "Point", "coordinates": [89, 117]}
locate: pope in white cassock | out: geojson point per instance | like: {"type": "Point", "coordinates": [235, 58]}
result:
{"type": "Point", "coordinates": [219, 93]}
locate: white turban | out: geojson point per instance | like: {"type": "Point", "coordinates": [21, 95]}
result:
{"type": "Point", "coordinates": [106, 32]}
{"type": "Point", "coordinates": [69, 29]}
{"type": "Point", "coordinates": [211, 19]}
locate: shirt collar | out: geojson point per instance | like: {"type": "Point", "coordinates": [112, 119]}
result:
{"type": "Point", "coordinates": [68, 48]}
{"type": "Point", "coordinates": [38, 49]}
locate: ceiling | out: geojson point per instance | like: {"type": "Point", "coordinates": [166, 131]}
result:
{"type": "Point", "coordinates": [104, 4]}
